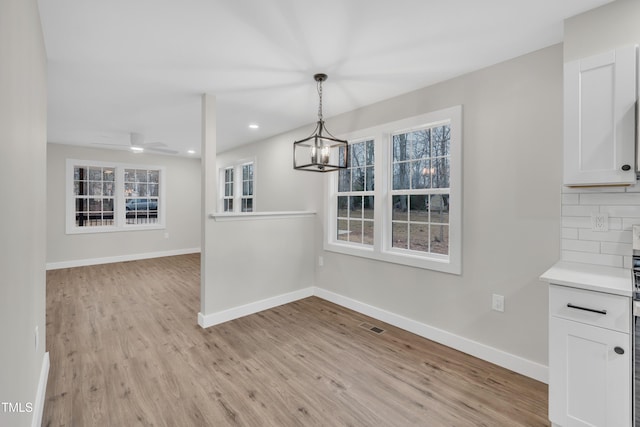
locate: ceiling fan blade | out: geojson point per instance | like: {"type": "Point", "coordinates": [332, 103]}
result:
{"type": "Point", "coordinates": [106, 144]}
{"type": "Point", "coordinates": [153, 144]}
{"type": "Point", "coordinates": [161, 150]}
{"type": "Point", "coordinates": [137, 140]}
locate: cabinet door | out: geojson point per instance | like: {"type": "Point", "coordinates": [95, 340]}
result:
{"type": "Point", "coordinates": [599, 122]}
{"type": "Point", "coordinates": [589, 382]}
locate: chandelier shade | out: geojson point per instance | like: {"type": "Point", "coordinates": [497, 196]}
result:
{"type": "Point", "coordinates": [321, 151]}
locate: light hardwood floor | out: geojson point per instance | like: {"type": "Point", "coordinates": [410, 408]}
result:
{"type": "Point", "coordinates": [126, 350]}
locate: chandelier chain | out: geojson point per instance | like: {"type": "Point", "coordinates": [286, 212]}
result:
{"type": "Point", "coordinates": [320, 103]}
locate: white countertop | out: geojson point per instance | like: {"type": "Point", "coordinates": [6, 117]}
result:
{"type": "Point", "coordinates": [611, 280]}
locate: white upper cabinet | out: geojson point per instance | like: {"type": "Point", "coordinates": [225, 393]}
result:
{"type": "Point", "coordinates": [600, 119]}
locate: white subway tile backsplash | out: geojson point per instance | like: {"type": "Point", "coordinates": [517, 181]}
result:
{"type": "Point", "coordinates": [614, 248]}
{"type": "Point", "coordinates": [569, 233]}
{"type": "Point", "coordinates": [580, 246]}
{"type": "Point", "coordinates": [605, 236]}
{"type": "Point", "coordinates": [627, 223]}
{"type": "Point", "coordinates": [621, 211]}
{"type": "Point", "coordinates": [633, 188]}
{"type": "Point", "coordinates": [627, 262]}
{"type": "Point", "coordinates": [569, 190]}
{"type": "Point", "coordinates": [576, 221]}
{"type": "Point", "coordinates": [578, 210]}
{"type": "Point", "coordinates": [615, 223]}
{"type": "Point", "coordinates": [577, 190]}
{"type": "Point", "coordinates": [570, 199]}
{"type": "Point", "coordinates": [610, 199]}
{"type": "Point", "coordinates": [589, 258]}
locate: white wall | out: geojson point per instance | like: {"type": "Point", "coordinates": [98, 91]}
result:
{"type": "Point", "coordinates": [605, 28]}
{"type": "Point", "coordinates": [512, 156]}
{"type": "Point", "coordinates": [278, 187]}
{"type": "Point", "coordinates": [209, 195]}
{"type": "Point", "coordinates": [602, 29]}
{"type": "Point", "coordinates": [248, 262]}
{"type": "Point", "coordinates": [182, 211]}
{"type": "Point", "coordinates": [258, 259]}
{"type": "Point", "coordinates": [23, 133]}
{"type": "Point", "coordinates": [512, 147]}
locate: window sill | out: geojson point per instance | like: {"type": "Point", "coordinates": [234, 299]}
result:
{"type": "Point", "coordinates": [114, 229]}
{"type": "Point", "coordinates": [441, 265]}
{"type": "Point", "coordinates": [252, 216]}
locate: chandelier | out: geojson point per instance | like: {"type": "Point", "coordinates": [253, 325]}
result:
{"type": "Point", "coordinates": [320, 152]}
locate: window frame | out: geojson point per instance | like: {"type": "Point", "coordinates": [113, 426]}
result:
{"type": "Point", "coordinates": [382, 248]}
{"type": "Point", "coordinates": [227, 199]}
{"type": "Point", "coordinates": [238, 181]}
{"type": "Point", "coordinates": [357, 193]}
{"type": "Point", "coordinates": [119, 210]}
{"type": "Point", "coordinates": [241, 181]}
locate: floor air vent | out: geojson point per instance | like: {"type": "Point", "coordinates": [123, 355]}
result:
{"type": "Point", "coordinates": [372, 328]}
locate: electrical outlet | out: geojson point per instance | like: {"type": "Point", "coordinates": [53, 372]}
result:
{"type": "Point", "coordinates": [599, 222]}
{"type": "Point", "coordinates": [36, 335]}
{"type": "Point", "coordinates": [320, 261]}
{"type": "Point", "coordinates": [497, 302]}
{"type": "Point", "coordinates": [166, 235]}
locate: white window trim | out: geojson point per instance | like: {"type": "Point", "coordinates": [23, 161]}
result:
{"type": "Point", "coordinates": [363, 193]}
{"type": "Point", "coordinates": [119, 209]}
{"type": "Point", "coordinates": [382, 250]}
{"type": "Point", "coordinates": [237, 185]}
{"type": "Point", "coordinates": [223, 189]}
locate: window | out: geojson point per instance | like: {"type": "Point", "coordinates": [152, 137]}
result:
{"type": "Point", "coordinates": [141, 195]}
{"type": "Point", "coordinates": [113, 197]}
{"type": "Point", "coordinates": [237, 192]}
{"type": "Point", "coordinates": [420, 190]}
{"type": "Point", "coordinates": [93, 195]}
{"type": "Point", "coordinates": [247, 187]}
{"type": "Point", "coordinates": [355, 195]}
{"type": "Point", "coordinates": [227, 198]}
{"type": "Point", "coordinates": [400, 199]}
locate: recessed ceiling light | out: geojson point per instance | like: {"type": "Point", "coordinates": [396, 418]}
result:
{"type": "Point", "coordinates": [253, 126]}
{"type": "Point", "coordinates": [191, 151]}
{"type": "Point", "coordinates": [137, 149]}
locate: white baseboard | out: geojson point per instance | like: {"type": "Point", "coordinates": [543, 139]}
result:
{"type": "Point", "coordinates": [207, 320]}
{"type": "Point", "coordinates": [509, 361]}
{"type": "Point", "coordinates": [38, 407]}
{"type": "Point", "coordinates": [501, 358]}
{"type": "Point", "coordinates": [119, 258]}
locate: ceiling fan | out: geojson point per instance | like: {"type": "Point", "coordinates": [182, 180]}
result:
{"type": "Point", "coordinates": [137, 144]}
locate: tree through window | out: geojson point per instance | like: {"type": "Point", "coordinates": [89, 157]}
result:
{"type": "Point", "coordinates": [420, 190]}
{"type": "Point", "coordinates": [109, 196]}
{"type": "Point", "coordinates": [355, 214]}
{"type": "Point", "coordinates": [237, 192]}
{"type": "Point", "coordinates": [410, 170]}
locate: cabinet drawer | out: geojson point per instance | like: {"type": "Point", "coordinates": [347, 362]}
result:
{"type": "Point", "coordinates": [593, 308]}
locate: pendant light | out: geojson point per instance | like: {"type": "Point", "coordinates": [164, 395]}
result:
{"type": "Point", "coordinates": [320, 152]}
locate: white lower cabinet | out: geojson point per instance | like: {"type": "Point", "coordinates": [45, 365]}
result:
{"type": "Point", "coordinates": [589, 365]}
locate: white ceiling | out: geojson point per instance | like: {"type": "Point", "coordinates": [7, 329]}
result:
{"type": "Point", "coordinates": [123, 66]}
